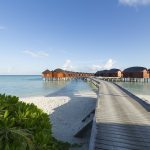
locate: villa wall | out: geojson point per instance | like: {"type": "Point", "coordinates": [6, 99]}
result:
{"type": "Point", "coordinates": [47, 75]}
{"type": "Point", "coordinates": [115, 74]}
{"type": "Point", "coordinates": [59, 75]}
{"type": "Point", "coordinates": [143, 74]}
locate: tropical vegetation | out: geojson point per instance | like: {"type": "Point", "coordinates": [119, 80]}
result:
{"type": "Point", "coordinates": [25, 127]}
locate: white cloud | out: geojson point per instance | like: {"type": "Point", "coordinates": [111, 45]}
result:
{"type": "Point", "coordinates": [96, 67]}
{"type": "Point", "coordinates": [68, 65]}
{"type": "Point", "coordinates": [36, 54]}
{"type": "Point", "coordinates": [88, 68]}
{"type": "Point", "coordinates": [134, 2]}
{"type": "Point", "coordinates": [107, 65]}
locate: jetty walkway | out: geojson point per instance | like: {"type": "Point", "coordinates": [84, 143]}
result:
{"type": "Point", "coordinates": [121, 122]}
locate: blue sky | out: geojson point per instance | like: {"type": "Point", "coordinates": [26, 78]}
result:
{"type": "Point", "coordinates": [79, 35]}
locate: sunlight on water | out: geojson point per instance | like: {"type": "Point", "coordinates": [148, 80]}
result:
{"type": "Point", "coordinates": [24, 86]}
{"type": "Point", "coordinates": [136, 87]}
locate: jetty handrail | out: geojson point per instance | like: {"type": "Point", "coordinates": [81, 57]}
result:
{"type": "Point", "coordinates": [94, 130]}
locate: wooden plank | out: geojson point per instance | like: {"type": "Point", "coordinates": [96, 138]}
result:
{"type": "Point", "coordinates": [81, 132]}
{"type": "Point", "coordinates": [122, 123]}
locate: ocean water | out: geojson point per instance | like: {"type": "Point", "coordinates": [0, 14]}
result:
{"type": "Point", "coordinates": [140, 88]}
{"type": "Point", "coordinates": [26, 86]}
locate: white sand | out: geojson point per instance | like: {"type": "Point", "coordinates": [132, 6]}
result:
{"type": "Point", "coordinates": [66, 112]}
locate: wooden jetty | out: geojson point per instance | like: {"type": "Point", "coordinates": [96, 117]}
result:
{"type": "Point", "coordinates": [120, 122]}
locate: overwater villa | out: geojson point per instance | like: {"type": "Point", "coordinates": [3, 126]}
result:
{"type": "Point", "coordinates": [129, 73]}
{"type": "Point", "coordinates": [136, 72]}
{"type": "Point", "coordinates": [60, 74]}
{"type": "Point", "coordinates": [114, 73]}
{"type": "Point", "coordinates": [109, 73]}
{"type": "Point", "coordinates": [149, 72]}
{"type": "Point", "coordinates": [102, 73]}
{"type": "Point", "coordinates": [132, 72]}
{"type": "Point", "coordinates": [47, 74]}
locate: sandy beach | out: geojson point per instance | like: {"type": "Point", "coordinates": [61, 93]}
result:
{"type": "Point", "coordinates": [66, 110]}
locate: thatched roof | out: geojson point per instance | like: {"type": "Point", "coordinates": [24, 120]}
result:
{"type": "Point", "coordinates": [59, 70]}
{"type": "Point", "coordinates": [66, 72]}
{"type": "Point", "coordinates": [135, 69]}
{"type": "Point", "coordinates": [113, 70]}
{"type": "Point", "coordinates": [103, 71]}
{"type": "Point", "coordinates": [46, 72]}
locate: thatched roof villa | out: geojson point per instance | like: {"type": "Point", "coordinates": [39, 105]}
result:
{"type": "Point", "coordinates": [131, 72]}
{"type": "Point", "coordinates": [47, 74]}
{"type": "Point", "coordinates": [63, 74]}
{"type": "Point", "coordinates": [109, 73]}
{"type": "Point", "coordinates": [102, 73]}
{"type": "Point", "coordinates": [136, 72]}
{"type": "Point", "coordinates": [149, 72]}
{"type": "Point", "coordinates": [114, 73]}
{"type": "Point", "coordinates": [59, 73]}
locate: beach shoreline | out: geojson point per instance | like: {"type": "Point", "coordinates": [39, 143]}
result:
{"type": "Point", "coordinates": [66, 112]}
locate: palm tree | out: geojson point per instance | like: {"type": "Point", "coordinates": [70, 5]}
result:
{"type": "Point", "coordinates": [15, 137]}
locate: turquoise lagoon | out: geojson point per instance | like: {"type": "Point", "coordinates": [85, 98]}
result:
{"type": "Point", "coordinates": [33, 85]}
{"type": "Point", "coordinates": [138, 88]}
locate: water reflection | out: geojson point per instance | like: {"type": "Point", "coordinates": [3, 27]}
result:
{"type": "Point", "coordinates": [54, 84]}
{"type": "Point", "coordinates": [25, 86]}
{"type": "Point", "coordinates": [137, 87]}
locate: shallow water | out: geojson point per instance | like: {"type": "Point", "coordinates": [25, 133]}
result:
{"type": "Point", "coordinates": [139, 88]}
{"type": "Point", "coordinates": [25, 86]}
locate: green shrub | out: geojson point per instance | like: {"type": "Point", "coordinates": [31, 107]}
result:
{"type": "Point", "coordinates": [25, 127]}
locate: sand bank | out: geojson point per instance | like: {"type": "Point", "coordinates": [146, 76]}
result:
{"type": "Point", "coordinates": [66, 111]}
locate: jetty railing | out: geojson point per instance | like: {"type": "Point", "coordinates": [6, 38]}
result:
{"type": "Point", "coordinates": [121, 79]}
{"type": "Point", "coordinates": [94, 130]}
